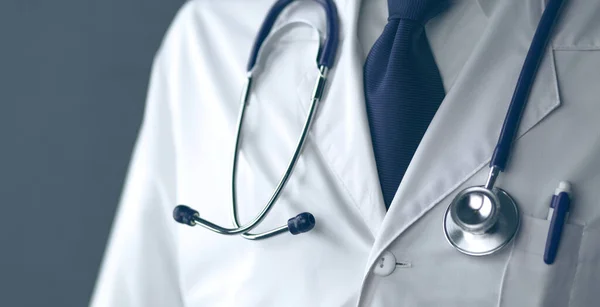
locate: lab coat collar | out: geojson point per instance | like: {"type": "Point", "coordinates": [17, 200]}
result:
{"type": "Point", "coordinates": [487, 6]}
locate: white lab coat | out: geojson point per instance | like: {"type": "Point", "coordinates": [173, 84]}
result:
{"type": "Point", "coordinates": [184, 154]}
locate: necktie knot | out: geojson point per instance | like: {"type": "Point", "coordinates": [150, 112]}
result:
{"type": "Point", "coordinates": [417, 10]}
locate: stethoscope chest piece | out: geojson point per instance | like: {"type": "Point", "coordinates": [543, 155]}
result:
{"type": "Point", "coordinates": [481, 221]}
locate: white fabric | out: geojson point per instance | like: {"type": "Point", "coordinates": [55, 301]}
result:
{"type": "Point", "coordinates": [184, 155]}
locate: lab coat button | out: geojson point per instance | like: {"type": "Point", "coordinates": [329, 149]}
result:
{"type": "Point", "coordinates": [386, 264]}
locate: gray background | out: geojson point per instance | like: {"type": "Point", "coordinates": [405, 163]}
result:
{"type": "Point", "coordinates": [73, 78]}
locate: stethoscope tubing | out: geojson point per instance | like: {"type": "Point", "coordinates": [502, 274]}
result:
{"type": "Point", "coordinates": [284, 179]}
{"type": "Point", "coordinates": [329, 47]}
{"type": "Point", "coordinates": [523, 88]}
{"type": "Point", "coordinates": [520, 96]}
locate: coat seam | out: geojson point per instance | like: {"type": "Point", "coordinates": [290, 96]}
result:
{"type": "Point", "coordinates": [340, 181]}
{"type": "Point", "coordinates": [501, 290]}
{"type": "Point", "coordinates": [328, 163]}
{"type": "Point", "coordinates": [576, 47]}
{"type": "Point", "coordinates": [577, 267]}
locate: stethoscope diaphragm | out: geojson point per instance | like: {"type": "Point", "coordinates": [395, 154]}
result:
{"type": "Point", "coordinates": [481, 221]}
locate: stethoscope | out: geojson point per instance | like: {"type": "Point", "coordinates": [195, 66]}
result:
{"type": "Point", "coordinates": [479, 221]}
{"type": "Point", "coordinates": [305, 221]}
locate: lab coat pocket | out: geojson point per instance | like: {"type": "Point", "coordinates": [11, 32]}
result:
{"type": "Point", "coordinates": [528, 281]}
{"type": "Point", "coordinates": [586, 287]}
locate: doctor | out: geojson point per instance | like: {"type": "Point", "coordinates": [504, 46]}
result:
{"type": "Point", "coordinates": [447, 72]}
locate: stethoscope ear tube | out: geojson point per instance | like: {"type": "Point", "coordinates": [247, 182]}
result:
{"type": "Point", "coordinates": [329, 51]}
{"type": "Point", "coordinates": [305, 221]}
{"type": "Point", "coordinates": [294, 225]}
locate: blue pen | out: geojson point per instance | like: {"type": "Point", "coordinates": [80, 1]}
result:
{"type": "Point", "coordinates": [558, 214]}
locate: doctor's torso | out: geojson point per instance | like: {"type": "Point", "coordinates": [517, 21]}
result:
{"type": "Point", "coordinates": [185, 152]}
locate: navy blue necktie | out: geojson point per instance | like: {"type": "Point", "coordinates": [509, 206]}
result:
{"type": "Point", "coordinates": [403, 89]}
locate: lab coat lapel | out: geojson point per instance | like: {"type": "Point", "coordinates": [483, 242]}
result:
{"type": "Point", "coordinates": [461, 138]}
{"type": "Point", "coordinates": [341, 129]}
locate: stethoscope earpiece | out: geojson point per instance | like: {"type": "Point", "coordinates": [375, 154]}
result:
{"type": "Point", "coordinates": [185, 215]}
{"type": "Point", "coordinates": [301, 223]}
